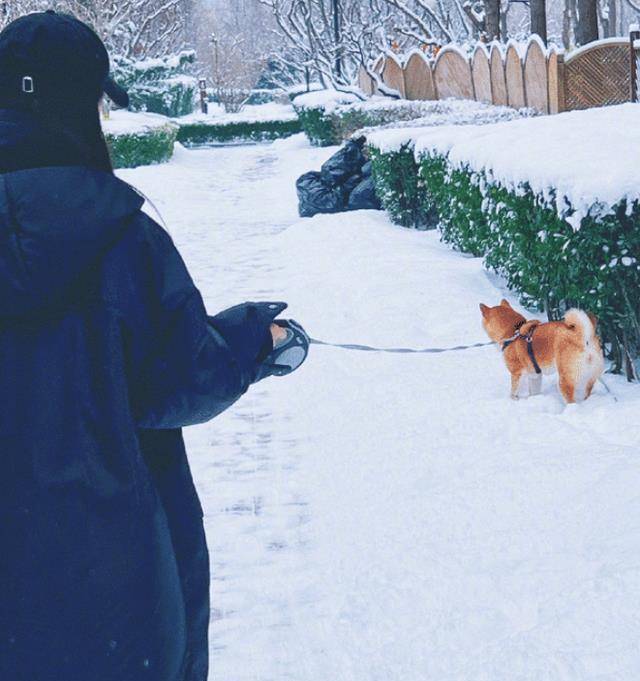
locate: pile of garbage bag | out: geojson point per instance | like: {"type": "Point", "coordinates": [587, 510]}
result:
{"type": "Point", "coordinates": [343, 183]}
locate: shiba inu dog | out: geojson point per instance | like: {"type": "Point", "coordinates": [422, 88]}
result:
{"type": "Point", "coordinates": [531, 348]}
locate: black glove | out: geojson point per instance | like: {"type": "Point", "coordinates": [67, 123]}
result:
{"type": "Point", "coordinates": [288, 353]}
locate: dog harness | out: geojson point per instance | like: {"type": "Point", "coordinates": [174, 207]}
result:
{"type": "Point", "coordinates": [528, 338]}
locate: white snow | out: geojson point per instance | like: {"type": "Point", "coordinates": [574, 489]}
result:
{"type": "Point", "coordinates": [122, 122]}
{"type": "Point", "coordinates": [270, 111]}
{"type": "Point", "coordinates": [585, 160]}
{"type": "Point", "coordinates": [397, 517]}
{"type": "Point", "coordinates": [453, 112]}
{"type": "Point", "coordinates": [324, 99]}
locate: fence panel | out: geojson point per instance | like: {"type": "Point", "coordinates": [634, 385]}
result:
{"type": "Point", "coordinates": [393, 75]}
{"type": "Point", "coordinates": [366, 82]}
{"type": "Point", "coordinates": [598, 74]}
{"type": "Point", "coordinates": [498, 77]}
{"type": "Point", "coordinates": [452, 75]}
{"type": "Point", "coordinates": [481, 74]}
{"type": "Point", "coordinates": [514, 78]}
{"type": "Point", "coordinates": [535, 76]}
{"type": "Point", "coordinates": [555, 69]}
{"type": "Point", "coordinates": [418, 78]}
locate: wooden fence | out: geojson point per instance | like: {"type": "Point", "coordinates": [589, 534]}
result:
{"type": "Point", "coordinates": [517, 75]}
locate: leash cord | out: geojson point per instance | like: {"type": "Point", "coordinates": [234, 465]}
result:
{"type": "Point", "coordinates": [403, 351]}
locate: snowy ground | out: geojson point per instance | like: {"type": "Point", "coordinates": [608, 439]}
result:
{"type": "Point", "coordinates": [394, 517]}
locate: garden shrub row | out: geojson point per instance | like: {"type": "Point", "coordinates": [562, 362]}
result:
{"type": "Point", "coordinates": [142, 147]}
{"type": "Point", "coordinates": [520, 235]}
{"type": "Point", "coordinates": [204, 132]}
{"type": "Point", "coordinates": [331, 124]}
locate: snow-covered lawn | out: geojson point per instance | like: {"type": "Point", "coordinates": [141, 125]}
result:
{"type": "Point", "coordinates": [253, 113]}
{"type": "Point", "coordinates": [395, 517]}
{"type": "Point", "coordinates": [121, 122]}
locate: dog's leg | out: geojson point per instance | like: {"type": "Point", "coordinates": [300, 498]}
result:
{"type": "Point", "coordinates": [589, 388]}
{"type": "Point", "coordinates": [535, 384]}
{"type": "Point", "coordinates": [515, 385]}
{"type": "Point", "coordinates": [567, 389]}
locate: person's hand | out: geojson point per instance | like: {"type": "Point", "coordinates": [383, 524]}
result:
{"type": "Point", "coordinates": [278, 333]}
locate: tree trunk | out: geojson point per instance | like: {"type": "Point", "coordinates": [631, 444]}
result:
{"type": "Point", "coordinates": [539, 18]}
{"type": "Point", "coordinates": [492, 19]}
{"type": "Point", "coordinates": [613, 17]}
{"type": "Point", "coordinates": [587, 30]}
{"type": "Point", "coordinates": [566, 24]}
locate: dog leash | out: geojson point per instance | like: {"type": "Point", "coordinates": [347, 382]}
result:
{"type": "Point", "coordinates": [403, 351]}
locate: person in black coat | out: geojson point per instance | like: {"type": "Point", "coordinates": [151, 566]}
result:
{"type": "Point", "coordinates": [106, 352]}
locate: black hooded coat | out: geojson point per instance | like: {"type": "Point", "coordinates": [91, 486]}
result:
{"type": "Point", "coordinates": [106, 352]}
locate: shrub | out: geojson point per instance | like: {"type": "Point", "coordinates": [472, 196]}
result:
{"type": "Point", "coordinates": [161, 86]}
{"type": "Point", "coordinates": [401, 189]}
{"type": "Point", "coordinates": [143, 147]}
{"type": "Point", "coordinates": [196, 133]}
{"type": "Point", "coordinates": [318, 127]}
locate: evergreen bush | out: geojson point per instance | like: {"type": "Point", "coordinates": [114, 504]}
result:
{"type": "Point", "coordinates": [198, 133]}
{"type": "Point", "coordinates": [161, 85]}
{"type": "Point", "coordinates": [144, 147]}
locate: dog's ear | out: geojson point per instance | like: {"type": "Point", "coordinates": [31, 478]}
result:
{"type": "Point", "coordinates": [484, 309]}
{"type": "Point", "coordinates": [505, 303]}
{"type": "Point", "coordinates": [594, 319]}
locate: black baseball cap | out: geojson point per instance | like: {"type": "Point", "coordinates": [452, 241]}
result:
{"type": "Point", "coordinates": [55, 58]}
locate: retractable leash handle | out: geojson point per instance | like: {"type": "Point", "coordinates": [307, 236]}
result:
{"type": "Point", "coordinates": [289, 352]}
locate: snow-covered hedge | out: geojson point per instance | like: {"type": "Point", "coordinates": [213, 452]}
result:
{"type": "Point", "coordinates": [397, 179]}
{"type": "Point", "coordinates": [163, 86]}
{"type": "Point", "coordinates": [137, 139]}
{"type": "Point", "coordinates": [329, 118]}
{"type": "Point", "coordinates": [254, 124]}
{"type": "Point", "coordinates": [551, 203]}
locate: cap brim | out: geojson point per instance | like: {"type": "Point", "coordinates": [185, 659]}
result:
{"type": "Point", "coordinates": [117, 94]}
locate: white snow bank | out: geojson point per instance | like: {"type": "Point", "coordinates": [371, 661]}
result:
{"type": "Point", "coordinates": [584, 160]}
{"type": "Point", "coordinates": [250, 114]}
{"type": "Point", "coordinates": [324, 99]}
{"type": "Point", "coordinates": [455, 112]}
{"type": "Point", "coordinates": [123, 122]}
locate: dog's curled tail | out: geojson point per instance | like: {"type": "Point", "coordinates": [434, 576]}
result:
{"type": "Point", "coordinates": [582, 323]}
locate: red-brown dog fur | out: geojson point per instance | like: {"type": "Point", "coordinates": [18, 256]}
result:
{"type": "Point", "coordinates": [570, 347]}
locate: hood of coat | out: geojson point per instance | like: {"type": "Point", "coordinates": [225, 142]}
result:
{"type": "Point", "coordinates": [55, 224]}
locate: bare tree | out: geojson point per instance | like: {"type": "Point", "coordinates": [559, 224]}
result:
{"type": "Point", "coordinates": [539, 18]}
{"type": "Point", "coordinates": [132, 28]}
{"type": "Point", "coordinates": [587, 25]}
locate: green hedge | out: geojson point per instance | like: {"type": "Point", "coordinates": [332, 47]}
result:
{"type": "Point", "coordinates": [142, 148]}
{"type": "Point", "coordinates": [193, 134]}
{"type": "Point", "coordinates": [401, 189]}
{"type": "Point", "coordinates": [326, 128]}
{"type": "Point", "coordinates": [318, 127]}
{"type": "Point", "coordinates": [543, 258]}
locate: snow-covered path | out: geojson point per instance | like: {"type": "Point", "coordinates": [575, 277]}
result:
{"type": "Point", "coordinates": [395, 517]}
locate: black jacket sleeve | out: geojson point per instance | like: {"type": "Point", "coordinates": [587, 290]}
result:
{"type": "Point", "coordinates": [194, 366]}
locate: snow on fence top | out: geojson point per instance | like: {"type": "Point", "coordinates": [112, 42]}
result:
{"type": "Point", "coordinates": [584, 162]}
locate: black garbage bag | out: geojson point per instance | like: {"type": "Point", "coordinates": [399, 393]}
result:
{"type": "Point", "coordinates": [314, 196]}
{"type": "Point", "coordinates": [366, 169]}
{"type": "Point", "coordinates": [363, 197]}
{"type": "Point", "coordinates": [350, 184]}
{"type": "Point", "coordinates": [343, 164]}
